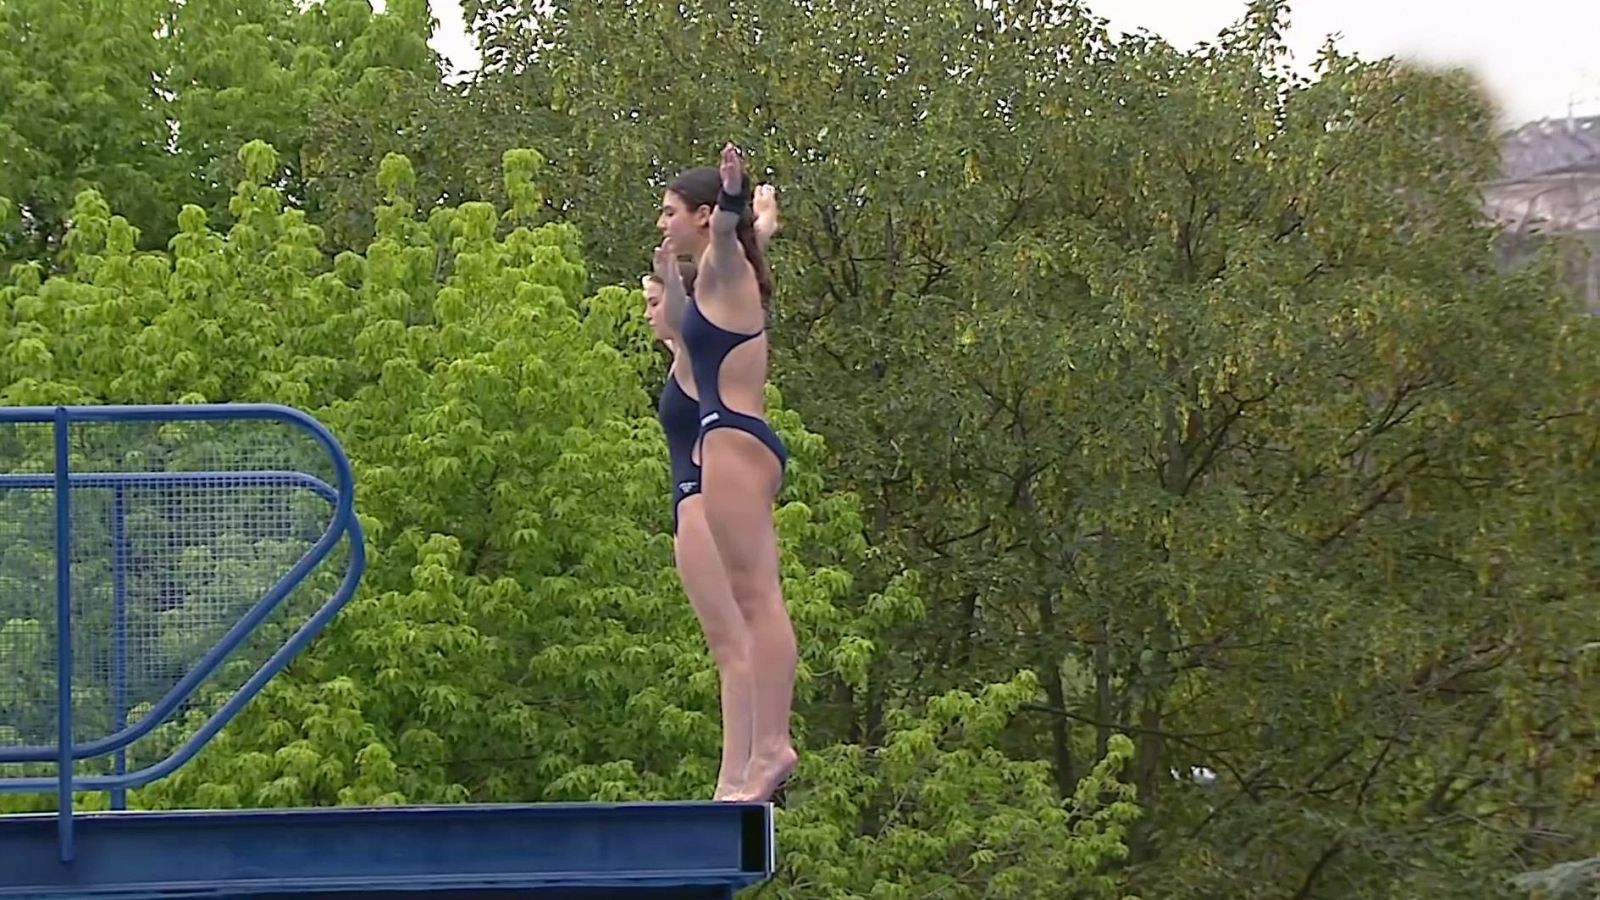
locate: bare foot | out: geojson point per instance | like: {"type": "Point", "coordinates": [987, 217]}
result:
{"type": "Point", "coordinates": [766, 774]}
{"type": "Point", "coordinates": [726, 792]}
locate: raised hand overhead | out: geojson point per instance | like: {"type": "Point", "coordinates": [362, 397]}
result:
{"type": "Point", "coordinates": [732, 169]}
{"type": "Point", "coordinates": [676, 300]}
{"type": "Point", "coordinates": [765, 205]}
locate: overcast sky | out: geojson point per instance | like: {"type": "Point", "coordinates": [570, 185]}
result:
{"type": "Point", "coordinates": [1540, 58]}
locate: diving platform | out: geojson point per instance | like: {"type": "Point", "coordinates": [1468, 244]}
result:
{"type": "Point", "coordinates": [158, 566]}
{"type": "Point", "coordinates": [670, 851]}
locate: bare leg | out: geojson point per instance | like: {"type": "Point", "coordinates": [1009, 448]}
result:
{"type": "Point", "coordinates": [706, 583]}
{"type": "Point", "coordinates": [738, 483]}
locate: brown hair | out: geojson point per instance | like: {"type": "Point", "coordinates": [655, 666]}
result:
{"type": "Point", "coordinates": [686, 272]}
{"type": "Point", "coordinates": [699, 187]}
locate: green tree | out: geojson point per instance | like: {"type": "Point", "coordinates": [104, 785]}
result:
{"type": "Point", "coordinates": [520, 634]}
{"type": "Point", "coordinates": [454, 134]}
{"type": "Point", "coordinates": [149, 101]}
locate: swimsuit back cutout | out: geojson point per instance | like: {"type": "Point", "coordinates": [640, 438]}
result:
{"type": "Point", "coordinates": [709, 345]}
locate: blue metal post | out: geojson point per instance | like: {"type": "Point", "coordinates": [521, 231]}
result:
{"type": "Point", "coordinates": [119, 647]}
{"type": "Point", "coordinates": [63, 640]}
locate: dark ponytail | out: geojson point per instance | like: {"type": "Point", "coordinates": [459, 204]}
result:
{"type": "Point", "coordinates": [752, 250]}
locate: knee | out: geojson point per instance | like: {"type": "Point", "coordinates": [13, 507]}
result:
{"type": "Point", "coordinates": [760, 599]}
{"type": "Point", "coordinates": [754, 586]}
{"type": "Point", "coordinates": [730, 647]}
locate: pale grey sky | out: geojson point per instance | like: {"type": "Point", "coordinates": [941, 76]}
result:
{"type": "Point", "coordinates": [1540, 58]}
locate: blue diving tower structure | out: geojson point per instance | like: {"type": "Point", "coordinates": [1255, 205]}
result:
{"type": "Point", "coordinates": [158, 566]}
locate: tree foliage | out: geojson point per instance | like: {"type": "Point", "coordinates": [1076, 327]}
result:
{"type": "Point", "coordinates": [1184, 386]}
{"type": "Point", "coordinates": [149, 101]}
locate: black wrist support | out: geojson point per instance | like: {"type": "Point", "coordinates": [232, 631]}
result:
{"type": "Point", "coordinates": [734, 203]}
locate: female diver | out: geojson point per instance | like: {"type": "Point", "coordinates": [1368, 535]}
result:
{"type": "Point", "coordinates": [706, 216]}
{"type": "Point", "coordinates": [699, 568]}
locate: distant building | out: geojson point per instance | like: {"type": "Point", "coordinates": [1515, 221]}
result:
{"type": "Point", "coordinates": [1551, 189]}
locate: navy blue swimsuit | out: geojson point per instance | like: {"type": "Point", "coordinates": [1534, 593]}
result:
{"type": "Point", "coordinates": [680, 421]}
{"type": "Point", "coordinates": [708, 345]}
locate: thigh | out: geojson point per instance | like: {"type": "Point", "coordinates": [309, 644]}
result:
{"type": "Point", "coordinates": [738, 485]}
{"type": "Point", "coordinates": [704, 578]}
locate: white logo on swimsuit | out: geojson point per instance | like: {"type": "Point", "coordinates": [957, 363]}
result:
{"type": "Point", "coordinates": [708, 418]}
{"type": "Point", "coordinates": [685, 487]}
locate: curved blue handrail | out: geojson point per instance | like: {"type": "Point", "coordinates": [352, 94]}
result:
{"type": "Point", "coordinates": [344, 524]}
{"type": "Point", "coordinates": [229, 642]}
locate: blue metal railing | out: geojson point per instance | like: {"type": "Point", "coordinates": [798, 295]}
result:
{"type": "Point", "coordinates": [342, 524]}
